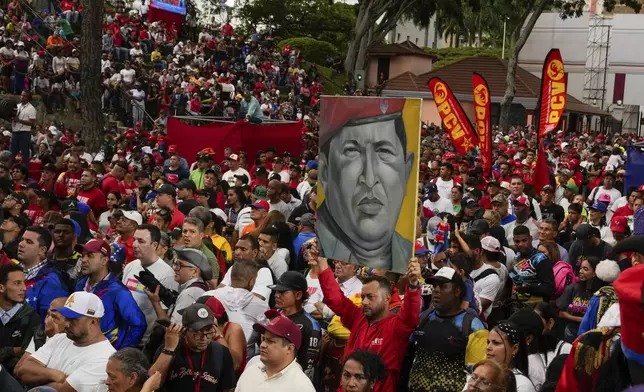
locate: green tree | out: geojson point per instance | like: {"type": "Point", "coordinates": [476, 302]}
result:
{"type": "Point", "coordinates": [318, 19]}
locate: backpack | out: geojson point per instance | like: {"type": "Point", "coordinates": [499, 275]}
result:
{"type": "Point", "coordinates": [485, 274]}
{"type": "Point", "coordinates": [271, 297]}
{"type": "Point", "coordinates": [564, 276]}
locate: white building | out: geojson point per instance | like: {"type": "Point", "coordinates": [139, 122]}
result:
{"type": "Point", "coordinates": [604, 65]}
{"type": "Point", "coordinates": [424, 38]}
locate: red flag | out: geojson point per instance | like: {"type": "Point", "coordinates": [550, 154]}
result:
{"type": "Point", "coordinates": [454, 119]}
{"type": "Point", "coordinates": [553, 92]}
{"type": "Point", "coordinates": [551, 107]}
{"type": "Point", "coordinates": [482, 113]}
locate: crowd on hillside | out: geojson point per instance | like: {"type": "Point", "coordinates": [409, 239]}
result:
{"type": "Point", "coordinates": [138, 269]}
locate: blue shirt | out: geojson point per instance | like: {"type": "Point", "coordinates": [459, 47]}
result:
{"type": "Point", "coordinates": [300, 240]}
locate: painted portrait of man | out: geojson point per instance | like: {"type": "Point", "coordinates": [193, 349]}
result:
{"type": "Point", "coordinates": [364, 167]}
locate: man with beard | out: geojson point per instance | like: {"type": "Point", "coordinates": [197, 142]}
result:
{"type": "Point", "coordinates": [65, 258]}
{"type": "Point", "coordinates": [439, 365]}
{"type": "Point", "coordinates": [69, 182]}
{"type": "Point", "coordinates": [123, 323]}
{"type": "Point", "coordinates": [195, 342]}
{"type": "Point", "coordinates": [75, 360]}
{"type": "Point", "coordinates": [18, 321]}
{"type": "Point", "coordinates": [90, 194]}
{"type": "Point", "coordinates": [372, 326]}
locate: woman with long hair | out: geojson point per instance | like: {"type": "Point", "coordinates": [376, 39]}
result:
{"type": "Point", "coordinates": [235, 202]}
{"type": "Point", "coordinates": [113, 204]}
{"type": "Point", "coordinates": [361, 371]}
{"type": "Point", "coordinates": [489, 376]}
{"type": "Point", "coordinates": [506, 345]}
{"type": "Point", "coordinates": [575, 300]}
{"type": "Point", "coordinates": [285, 243]}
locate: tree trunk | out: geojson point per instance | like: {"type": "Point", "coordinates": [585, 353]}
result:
{"type": "Point", "coordinates": [90, 72]}
{"type": "Point", "coordinates": [435, 43]}
{"type": "Point", "coordinates": [519, 37]}
{"type": "Point", "coordinates": [361, 59]}
{"type": "Point", "coordinates": [362, 24]}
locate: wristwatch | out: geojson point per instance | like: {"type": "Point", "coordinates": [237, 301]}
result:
{"type": "Point", "coordinates": [414, 286]}
{"type": "Point", "coordinates": [167, 352]}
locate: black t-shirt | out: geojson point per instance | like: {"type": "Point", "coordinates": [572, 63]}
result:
{"type": "Point", "coordinates": [217, 373]}
{"type": "Point", "coordinates": [554, 211]}
{"type": "Point", "coordinates": [308, 355]}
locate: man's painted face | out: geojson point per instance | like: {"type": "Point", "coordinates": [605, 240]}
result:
{"type": "Point", "coordinates": [365, 181]}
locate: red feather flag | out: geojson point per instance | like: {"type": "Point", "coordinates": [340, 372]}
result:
{"type": "Point", "coordinates": [551, 108]}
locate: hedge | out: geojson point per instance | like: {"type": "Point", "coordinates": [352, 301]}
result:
{"type": "Point", "coordinates": [311, 49]}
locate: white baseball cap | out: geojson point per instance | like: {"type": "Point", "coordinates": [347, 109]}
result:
{"type": "Point", "coordinates": [491, 244]}
{"type": "Point", "coordinates": [133, 215]}
{"type": "Point", "coordinates": [82, 303]}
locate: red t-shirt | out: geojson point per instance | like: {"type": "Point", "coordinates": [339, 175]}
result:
{"type": "Point", "coordinates": [95, 199]}
{"type": "Point", "coordinates": [110, 184]}
{"type": "Point", "coordinates": [127, 189]}
{"type": "Point", "coordinates": [177, 219]}
{"type": "Point", "coordinates": [129, 248]}
{"type": "Point", "coordinates": [624, 211]}
{"type": "Point", "coordinates": [69, 184]}
{"type": "Point", "coordinates": [35, 214]}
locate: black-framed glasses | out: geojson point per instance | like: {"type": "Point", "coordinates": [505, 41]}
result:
{"type": "Point", "coordinates": [476, 380]}
{"type": "Point", "coordinates": [203, 334]}
{"type": "Point", "coordinates": [176, 265]}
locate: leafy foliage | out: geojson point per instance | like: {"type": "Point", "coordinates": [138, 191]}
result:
{"type": "Point", "coordinates": [319, 19]}
{"type": "Point", "coordinates": [311, 49]}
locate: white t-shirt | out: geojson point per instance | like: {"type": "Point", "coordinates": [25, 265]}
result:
{"type": "Point", "coordinates": [283, 175]}
{"type": "Point", "coordinates": [315, 293]}
{"type": "Point", "coordinates": [613, 193]}
{"type": "Point", "coordinates": [264, 279]}
{"type": "Point", "coordinates": [277, 264]}
{"type": "Point", "coordinates": [229, 176]}
{"type": "Point", "coordinates": [138, 94]}
{"type": "Point", "coordinates": [128, 75]}
{"type": "Point", "coordinates": [58, 65]}
{"type": "Point", "coordinates": [445, 188]}
{"type": "Point", "coordinates": [440, 205]}
{"type": "Point", "coordinates": [24, 112]}
{"type": "Point", "coordinates": [164, 274]}
{"type": "Point", "coordinates": [84, 366]}
{"type": "Point", "coordinates": [487, 287]}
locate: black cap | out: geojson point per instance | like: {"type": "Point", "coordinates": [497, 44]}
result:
{"type": "Point", "coordinates": [49, 167]}
{"type": "Point", "coordinates": [586, 231]}
{"type": "Point", "coordinates": [19, 197]}
{"type": "Point", "coordinates": [290, 280]}
{"type": "Point", "coordinates": [167, 189]}
{"type": "Point", "coordinates": [631, 244]}
{"type": "Point", "coordinates": [205, 192]}
{"type": "Point", "coordinates": [278, 160]}
{"type": "Point", "coordinates": [21, 220]}
{"type": "Point", "coordinates": [479, 227]}
{"type": "Point", "coordinates": [275, 176]}
{"type": "Point", "coordinates": [141, 174]}
{"type": "Point", "coordinates": [187, 184]}
{"type": "Point", "coordinates": [261, 170]}
{"type": "Point", "coordinates": [69, 205]}
{"type": "Point", "coordinates": [197, 317]}
{"type": "Point", "coordinates": [242, 177]}
{"type": "Point", "coordinates": [447, 275]}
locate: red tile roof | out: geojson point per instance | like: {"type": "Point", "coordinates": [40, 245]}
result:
{"type": "Point", "coordinates": [398, 49]}
{"type": "Point", "coordinates": [459, 78]}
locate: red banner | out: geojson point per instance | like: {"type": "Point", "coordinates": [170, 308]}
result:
{"type": "Point", "coordinates": [241, 136]}
{"type": "Point", "coordinates": [483, 116]}
{"type": "Point", "coordinates": [553, 92]}
{"type": "Point", "coordinates": [454, 119]}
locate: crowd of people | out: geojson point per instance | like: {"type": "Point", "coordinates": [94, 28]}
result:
{"type": "Point", "coordinates": [134, 268]}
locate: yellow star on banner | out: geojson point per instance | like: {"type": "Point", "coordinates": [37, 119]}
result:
{"type": "Point", "coordinates": [466, 144]}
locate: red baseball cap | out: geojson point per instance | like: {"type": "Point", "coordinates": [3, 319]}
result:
{"type": "Point", "coordinates": [522, 200]}
{"type": "Point", "coordinates": [172, 148]}
{"type": "Point", "coordinates": [281, 326]}
{"type": "Point", "coordinates": [618, 224]}
{"type": "Point", "coordinates": [420, 248]}
{"type": "Point", "coordinates": [261, 204]}
{"type": "Point", "coordinates": [95, 246]}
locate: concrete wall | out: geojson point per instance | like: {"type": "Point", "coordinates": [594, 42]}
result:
{"type": "Point", "coordinates": [397, 66]}
{"type": "Point", "coordinates": [573, 37]}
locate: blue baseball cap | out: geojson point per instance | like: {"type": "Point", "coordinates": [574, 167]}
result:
{"type": "Point", "coordinates": [599, 206]}
{"type": "Point", "coordinates": [312, 164]}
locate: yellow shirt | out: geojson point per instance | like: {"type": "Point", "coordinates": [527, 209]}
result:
{"type": "Point", "coordinates": [222, 244]}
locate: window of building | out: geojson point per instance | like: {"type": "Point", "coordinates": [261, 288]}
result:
{"type": "Point", "coordinates": [398, 37]}
{"type": "Point", "coordinates": [416, 40]}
